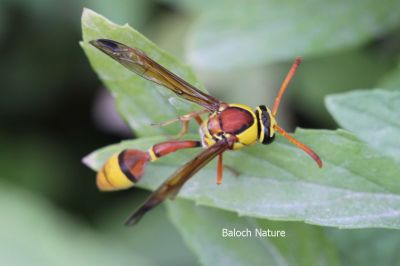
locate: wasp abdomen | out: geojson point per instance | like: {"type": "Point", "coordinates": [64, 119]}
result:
{"type": "Point", "coordinates": [122, 170]}
{"type": "Point", "coordinates": [126, 168]}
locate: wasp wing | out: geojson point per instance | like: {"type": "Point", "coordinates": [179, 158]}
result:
{"type": "Point", "coordinates": [138, 62]}
{"type": "Point", "coordinates": [174, 183]}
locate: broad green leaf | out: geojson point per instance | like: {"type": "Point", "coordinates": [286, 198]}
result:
{"type": "Point", "coordinates": [357, 187]}
{"type": "Point", "coordinates": [371, 114]}
{"type": "Point", "coordinates": [268, 31]}
{"type": "Point", "coordinates": [202, 228]}
{"type": "Point", "coordinates": [140, 102]}
{"type": "Point", "coordinates": [33, 232]}
{"type": "Point", "coordinates": [368, 247]}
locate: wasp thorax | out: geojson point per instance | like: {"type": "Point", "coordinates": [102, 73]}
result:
{"type": "Point", "coordinates": [266, 122]}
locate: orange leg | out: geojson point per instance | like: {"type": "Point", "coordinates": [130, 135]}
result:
{"type": "Point", "coordinates": [185, 123]}
{"type": "Point", "coordinates": [198, 119]}
{"type": "Point", "coordinates": [219, 169]}
{"type": "Point", "coordinates": [184, 119]}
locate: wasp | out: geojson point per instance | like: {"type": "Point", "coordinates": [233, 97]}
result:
{"type": "Point", "coordinates": [227, 127]}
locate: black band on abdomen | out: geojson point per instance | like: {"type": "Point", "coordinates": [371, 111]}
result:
{"type": "Point", "coordinates": [125, 169]}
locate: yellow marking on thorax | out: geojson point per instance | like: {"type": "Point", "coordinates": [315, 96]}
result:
{"type": "Point", "coordinates": [207, 139]}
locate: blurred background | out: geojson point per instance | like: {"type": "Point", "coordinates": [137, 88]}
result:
{"type": "Point", "coordinates": [54, 111]}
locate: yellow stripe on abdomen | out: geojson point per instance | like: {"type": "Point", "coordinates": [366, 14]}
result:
{"type": "Point", "coordinates": [111, 177]}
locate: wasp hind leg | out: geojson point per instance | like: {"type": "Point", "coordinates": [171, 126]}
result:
{"type": "Point", "coordinates": [184, 119]}
{"type": "Point", "coordinates": [220, 169]}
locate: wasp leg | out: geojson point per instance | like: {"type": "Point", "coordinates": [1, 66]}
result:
{"type": "Point", "coordinates": [184, 119]}
{"type": "Point", "coordinates": [220, 169]}
{"type": "Point", "coordinates": [185, 123]}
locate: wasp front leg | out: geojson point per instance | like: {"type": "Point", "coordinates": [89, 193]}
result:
{"type": "Point", "coordinates": [184, 119]}
{"type": "Point", "coordinates": [124, 169]}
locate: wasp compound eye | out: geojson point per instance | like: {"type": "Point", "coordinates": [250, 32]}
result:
{"type": "Point", "coordinates": [264, 125]}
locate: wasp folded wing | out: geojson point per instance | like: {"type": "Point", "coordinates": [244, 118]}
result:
{"type": "Point", "coordinates": [174, 183]}
{"type": "Point", "coordinates": [138, 62]}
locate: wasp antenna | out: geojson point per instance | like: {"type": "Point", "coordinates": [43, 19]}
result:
{"type": "Point", "coordinates": [285, 84]}
{"type": "Point", "coordinates": [300, 145]}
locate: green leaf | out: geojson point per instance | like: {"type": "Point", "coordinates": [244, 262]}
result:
{"type": "Point", "coordinates": [139, 101]}
{"type": "Point", "coordinates": [202, 227]}
{"type": "Point", "coordinates": [268, 31]}
{"type": "Point", "coordinates": [371, 114]}
{"type": "Point", "coordinates": [357, 187]}
{"type": "Point", "coordinates": [34, 232]}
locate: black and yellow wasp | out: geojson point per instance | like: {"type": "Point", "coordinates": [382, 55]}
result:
{"type": "Point", "coordinates": [227, 127]}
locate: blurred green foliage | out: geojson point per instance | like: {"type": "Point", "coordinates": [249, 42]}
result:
{"type": "Point", "coordinates": [269, 31]}
{"type": "Point", "coordinates": [51, 210]}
